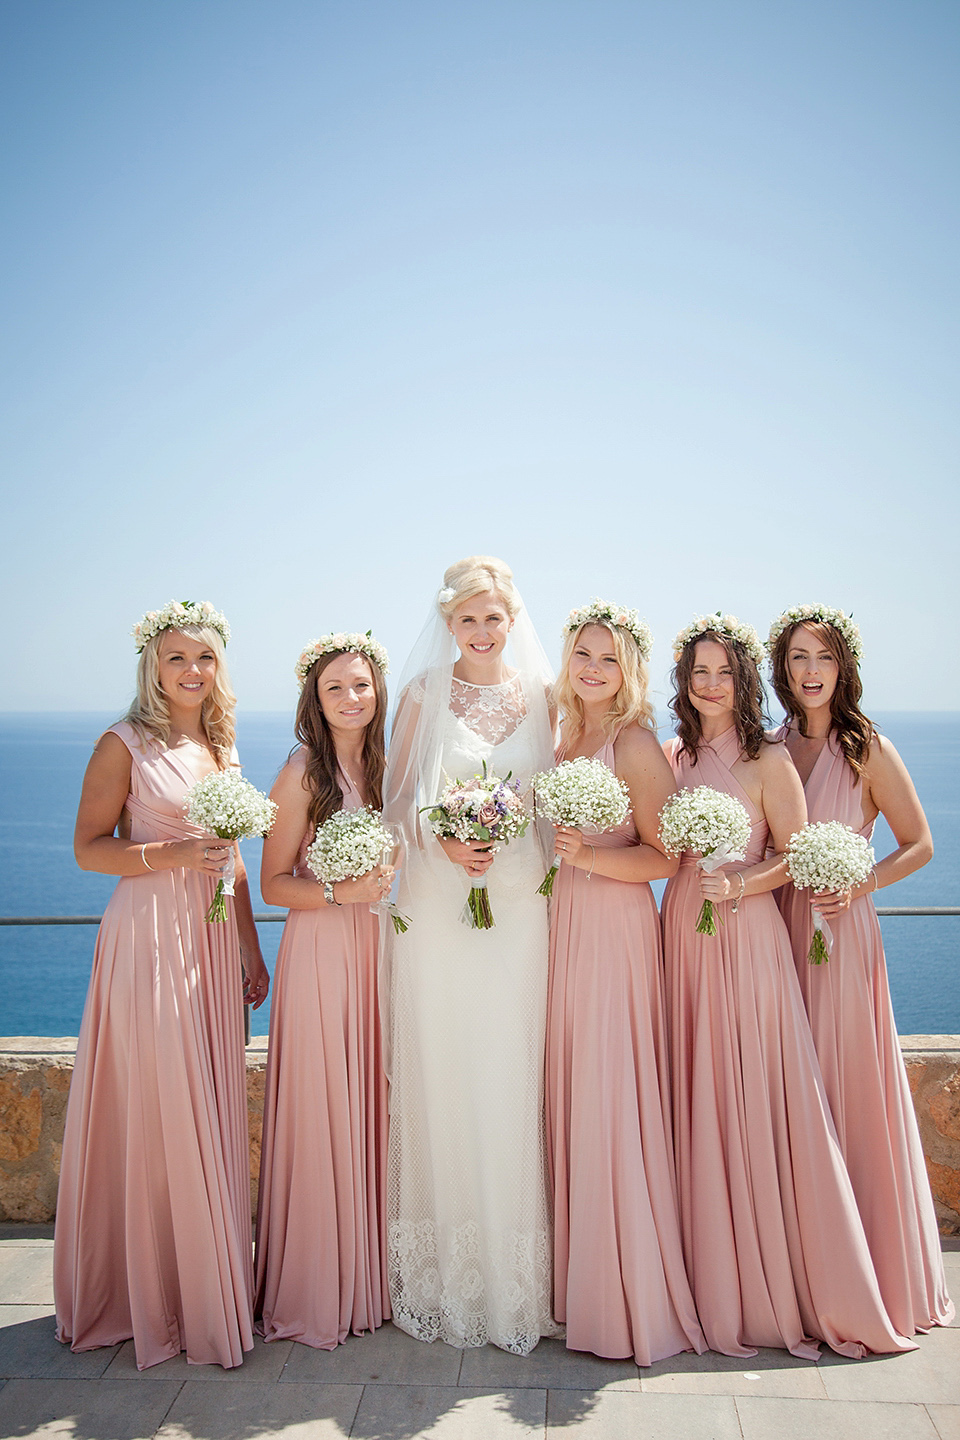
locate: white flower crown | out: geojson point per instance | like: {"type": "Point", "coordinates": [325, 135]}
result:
{"type": "Point", "coordinates": [350, 643]}
{"type": "Point", "coordinates": [825, 615]}
{"type": "Point", "coordinates": [174, 615]}
{"type": "Point", "coordinates": [601, 612]}
{"type": "Point", "coordinates": [736, 630]}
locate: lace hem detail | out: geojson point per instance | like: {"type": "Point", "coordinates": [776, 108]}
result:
{"type": "Point", "coordinates": [478, 1299]}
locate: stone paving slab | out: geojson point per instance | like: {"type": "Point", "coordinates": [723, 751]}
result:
{"type": "Point", "coordinates": [929, 1373]}
{"type": "Point", "coordinates": [620, 1415]}
{"type": "Point", "coordinates": [402, 1412]}
{"type": "Point", "coordinates": [263, 1364]}
{"type": "Point", "coordinates": [771, 1373]}
{"type": "Point", "coordinates": [84, 1409]}
{"type": "Point", "coordinates": [551, 1366]}
{"type": "Point", "coordinates": [828, 1420]}
{"type": "Point", "coordinates": [267, 1412]}
{"type": "Point", "coordinates": [387, 1357]}
{"type": "Point", "coordinates": [947, 1420]}
{"type": "Point", "coordinates": [29, 1348]}
{"type": "Point", "coordinates": [26, 1273]}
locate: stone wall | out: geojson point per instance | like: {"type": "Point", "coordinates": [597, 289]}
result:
{"type": "Point", "coordinates": [35, 1078]}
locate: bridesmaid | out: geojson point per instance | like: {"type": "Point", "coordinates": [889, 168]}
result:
{"type": "Point", "coordinates": [153, 1214]}
{"type": "Point", "coordinates": [619, 1278]}
{"type": "Point", "coordinates": [775, 1250]}
{"type": "Point", "coordinates": [320, 1263]}
{"type": "Point", "coordinates": [851, 774]}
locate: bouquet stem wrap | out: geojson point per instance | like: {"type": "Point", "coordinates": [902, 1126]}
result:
{"type": "Point", "coordinates": [478, 913]}
{"type": "Point", "coordinates": [822, 942]}
{"type": "Point", "coordinates": [218, 906]}
{"type": "Point", "coordinates": [709, 916]}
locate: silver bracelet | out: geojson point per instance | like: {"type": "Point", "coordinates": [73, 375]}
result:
{"type": "Point", "coordinates": [143, 856]}
{"type": "Point", "coordinates": [328, 894]}
{"type": "Point", "coordinates": [743, 885]}
{"type": "Point", "coordinates": [593, 859]}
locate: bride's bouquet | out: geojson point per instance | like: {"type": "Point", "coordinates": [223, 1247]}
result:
{"type": "Point", "coordinates": [582, 793]}
{"type": "Point", "coordinates": [486, 808]}
{"type": "Point", "coordinates": [715, 826]}
{"type": "Point", "coordinates": [232, 809]}
{"type": "Point", "coordinates": [349, 845]}
{"type": "Point", "coordinates": [827, 855]}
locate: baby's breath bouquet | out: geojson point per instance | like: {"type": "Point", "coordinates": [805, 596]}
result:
{"type": "Point", "coordinates": [348, 845]}
{"type": "Point", "coordinates": [715, 826]}
{"type": "Point", "coordinates": [232, 809]}
{"type": "Point", "coordinates": [583, 793]}
{"type": "Point", "coordinates": [486, 808]}
{"type": "Point", "coordinates": [827, 855]}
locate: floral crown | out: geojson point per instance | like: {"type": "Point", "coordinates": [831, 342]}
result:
{"type": "Point", "coordinates": [174, 615]}
{"type": "Point", "coordinates": [601, 612]}
{"type": "Point", "coordinates": [352, 643]}
{"type": "Point", "coordinates": [736, 630]}
{"type": "Point", "coordinates": [824, 615]}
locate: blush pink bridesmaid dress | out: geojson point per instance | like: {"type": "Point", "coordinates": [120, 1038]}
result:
{"type": "Point", "coordinates": [321, 1242]}
{"type": "Point", "coordinates": [774, 1246]}
{"type": "Point", "coordinates": [619, 1278]}
{"type": "Point", "coordinates": [153, 1236]}
{"type": "Point", "coordinates": [848, 1004]}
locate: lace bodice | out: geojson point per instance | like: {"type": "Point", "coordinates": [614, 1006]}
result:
{"type": "Point", "coordinates": [492, 712]}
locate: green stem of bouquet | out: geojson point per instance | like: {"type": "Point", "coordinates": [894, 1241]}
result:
{"type": "Point", "coordinates": [818, 954]}
{"type": "Point", "coordinates": [477, 913]}
{"type": "Point", "coordinates": [546, 888]}
{"type": "Point", "coordinates": [707, 919]}
{"type": "Point", "coordinates": [217, 913]}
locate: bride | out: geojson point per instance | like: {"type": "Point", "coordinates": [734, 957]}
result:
{"type": "Point", "coordinates": [468, 1233]}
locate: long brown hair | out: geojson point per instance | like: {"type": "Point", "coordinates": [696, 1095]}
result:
{"type": "Point", "coordinates": [322, 774]}
{"type": "Point", "coordinates": [855, 733]}
{"type": "Point", "coordinates": [749, 699]}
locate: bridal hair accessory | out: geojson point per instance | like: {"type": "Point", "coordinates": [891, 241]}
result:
{"type": "Point", "coordinates": [823, 615]}
{"type": "Point", "coordinates": [445, 594]}
{"type": "Point", "coordinates": [174, 615]}
{"type": "Point", "coordinates": [352, 643]}
{"type": "Point", "coordinates": [736, 630]}
{"type": "Point", "coordinates": [601, 612]}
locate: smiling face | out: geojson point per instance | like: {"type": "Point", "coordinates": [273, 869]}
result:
{"type": "Point", "coordinates": [347, 694]}
{"type": "Point", "coordinates": [186, 670]}
{"type": "Point", "coordinates": [711, 690]}
{"type": "Point", "coordinates": [812, 670]}
{"type": "Point", "coordinates": [480, 627]}
{"type": "Point", "coordinates": [593, 669]}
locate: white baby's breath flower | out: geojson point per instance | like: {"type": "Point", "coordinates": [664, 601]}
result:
{"type": "Point", "coordinates": [711, 824]}
{"type": "Point", "coordinates": [231, 808]}
{"type": "Point", "coordinates": [347, 845]}
{"type": "Point", "coordinates": [582, 793]}
{"type": "Point", "coordinates": [827, 855]}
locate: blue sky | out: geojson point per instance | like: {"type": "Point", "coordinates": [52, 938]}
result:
{"type": "Point", "coordinates": [303, 301]}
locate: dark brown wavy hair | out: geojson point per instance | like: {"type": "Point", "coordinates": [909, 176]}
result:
{"type": "Point", "coordinates": [321, 776]}
{"type": "Point", "coordinates": [855, 733]}
{"type": "Point", "coordinates": [749, 699]}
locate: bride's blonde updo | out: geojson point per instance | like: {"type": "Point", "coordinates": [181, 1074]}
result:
{"type": "Point", "coordinates": [475, 576]}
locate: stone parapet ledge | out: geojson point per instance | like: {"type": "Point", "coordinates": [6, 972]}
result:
{"type": "Point", "coordinates": [35, 1078]}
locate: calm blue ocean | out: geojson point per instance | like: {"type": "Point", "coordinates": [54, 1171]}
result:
{"type": "Point", "coordinates": [44, 970]}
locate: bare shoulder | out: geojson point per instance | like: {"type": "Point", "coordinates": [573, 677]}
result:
{"type": "Point", "coordinates": [638, 744]}
{"type": "Point", "coordinates": [290, 780]}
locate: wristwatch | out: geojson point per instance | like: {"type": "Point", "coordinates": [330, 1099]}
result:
{"type": "Point", "coordinates": [328, 894]}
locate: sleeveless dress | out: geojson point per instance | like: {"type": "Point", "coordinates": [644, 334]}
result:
{"type": "Point", "coordinates": [469, 1240]}
{"type": "Point", "coordinates": [619, 1277]}
{"type": "Point", "coordinates": [775, 1250]}
{"type": "Point", "coordinates": [851, 1016]}
{"type": "Point", "coordinates": [321, 1253]}
{"type": "Point", "coordinates": [153, 1232]}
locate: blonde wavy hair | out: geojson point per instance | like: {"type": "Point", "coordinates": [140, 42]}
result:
{"type": "Point", "coordinates": [630, 702]}
{"type": "Point", "coordinates": [475, 576]}
{"type": "Point", "coordinates": [149, 713]}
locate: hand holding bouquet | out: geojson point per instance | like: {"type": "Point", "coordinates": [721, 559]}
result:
{"type": "Point", "coordinates": [349, 845]}
{"type": "Point", "coordinates": [715, 826]}
{"type": "Point", "coordinates": [582, 793]}
{"type": "Point", "coordinates": [486, 808]}
{"type": "Point", "coordinates": [827, 855]}
{"type": "Point", "coordinates": [232, 809]}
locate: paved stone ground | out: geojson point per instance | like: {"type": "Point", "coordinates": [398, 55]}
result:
{"type": "Point", "coordinates": [389, 1387]}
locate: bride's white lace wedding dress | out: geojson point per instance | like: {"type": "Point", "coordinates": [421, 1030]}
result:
{"type": "Point", "coordinates": [468, 1232]}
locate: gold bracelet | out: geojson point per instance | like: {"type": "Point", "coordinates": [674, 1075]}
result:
{"type": "Point", "coordinates": [143, 856]}
{"type": "Point", "coordinates": [743, 885]}
{"type": "Point", "coordinates": [593, 859]}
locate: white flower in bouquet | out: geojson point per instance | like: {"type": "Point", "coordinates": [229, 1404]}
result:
{"type": "Point", "coordinates": [583, 793]}
{"type": "Point", "coordinates": [827, 855]}
{"type": "Point", "coordinates": [486, 808]}
{"type": "Point", "coordinates": [711, 823]}
{"type": "Point", "coordinates": [349, 845]}
{"type": "Point", "coordinates": [232, 809]}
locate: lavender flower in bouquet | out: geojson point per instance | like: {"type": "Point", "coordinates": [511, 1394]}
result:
{"type": "Point", "coordinates": [715, 826]}
{"type": "Point", "coordinates": [349, 845]}
{"type": "Point", "coordinates": [486, 808]}
{"type": "Point", "coordinates": [827, 855]}
{"type": "Point", "coordinates": [583, 793]}
{"type": "Point", "coordinates": [232, 809]}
